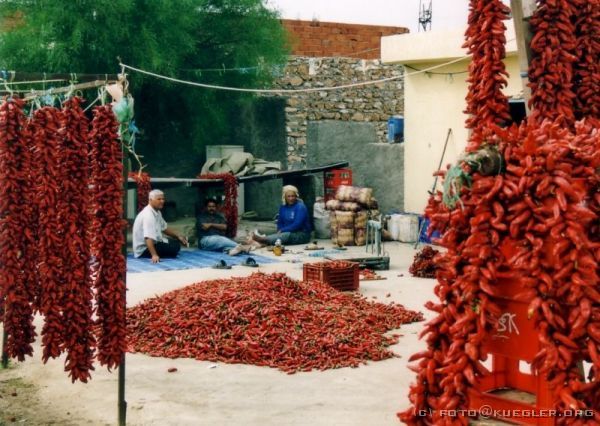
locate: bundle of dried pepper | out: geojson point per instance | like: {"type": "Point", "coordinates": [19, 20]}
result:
{"type": "Point", "coordinates": [538, 219]}
{"type": "Point", "coordinates": [73, 209]}
{"type": "Point", "coordinates": [586, 69]}
{"type": "Point", "coordinates": [15, 291]}
{"type": "Point", "coordinates": [485, 41]}
{"type": "Point", "coordinates": [268, 320]}
{"type": "Point", "coordinates": [107, 229]}
{"type": "Point", "coordinates": [144, 187]}
{"type": "Point", "coordinates": [540, 209]}
{"type": "Point", "coordinates": [46, 142]}
{"type": "Point", "coordinates": [554, 47]}
{"type": "Point", "coordinates": [47, 204]}
{"type": "Point", "coordinates": [423, 263]}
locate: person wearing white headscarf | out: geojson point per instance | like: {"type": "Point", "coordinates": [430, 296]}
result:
{"type": "Point", "coordinates": [293, 222]}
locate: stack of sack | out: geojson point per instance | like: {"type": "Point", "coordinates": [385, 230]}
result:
{"type": "Point", "coordinates": [349, 213]}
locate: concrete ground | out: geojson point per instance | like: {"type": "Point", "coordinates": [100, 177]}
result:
{"type": "Point", "coordinates": [208, 393]}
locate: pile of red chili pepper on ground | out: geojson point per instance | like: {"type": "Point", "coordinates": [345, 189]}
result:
{"type": "Point", "coordinates": [61, 234]}
{"type": "Point", "coordinates": [267, 320]}
{"type": "Point", "coordinates": [423, 265]}
{"type": "Point", "coordinates": [538, 220]}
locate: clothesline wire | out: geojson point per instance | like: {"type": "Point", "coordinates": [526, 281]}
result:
{"type": "Point", "coordinates": [253, 67]}
{"type": "Point", "coordinates": [274, 91]}
{"type": "Point", "coordinates": [437, 73]}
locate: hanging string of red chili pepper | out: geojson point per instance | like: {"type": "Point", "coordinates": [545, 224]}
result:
{"type": "Point", "coordinates": [30, 216]}
{"type": "Point", "coordinates": [533, 220]}
{"type": "Point", "coordinates": [554, 47]}
{"type": "Point", "coordinates": [107, 176]}
{"type": "Point", "coordinates": [230, 209]}
{"type": "Point", "coordinates": [586, 70]}
{"type": "Point", "coordinates": [144, 187]}
{"type": "Point", "coordinates": [73, 213]}
{"type": "Point", "coordinates": [46, 243]}
{"type": "Point", "coordinates": [14, 291]}
{"type": "Point", "coordinates": [46, 143]}
{"type": "Point", "coordinates": [565, 288]}
{"type": "Point", "coordinates": [539, 220]}
{"type": "Point", "coordinates": [485, 41]}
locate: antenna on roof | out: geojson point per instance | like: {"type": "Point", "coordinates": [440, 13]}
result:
{"type": "Point", "coordinates": [425, 15]}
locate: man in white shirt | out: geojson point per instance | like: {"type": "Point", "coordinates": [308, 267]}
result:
{"type": "Point", "coordinates": [149, 230]}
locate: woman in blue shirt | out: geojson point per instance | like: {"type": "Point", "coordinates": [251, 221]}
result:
{"type": "Point", "coordinates": [293, 222]}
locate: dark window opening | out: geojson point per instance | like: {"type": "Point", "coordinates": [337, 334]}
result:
{"type": "Point", "coordinates": [517, 111]}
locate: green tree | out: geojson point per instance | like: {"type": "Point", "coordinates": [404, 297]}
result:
{"type": "Point", "coordinates": [200, 40]}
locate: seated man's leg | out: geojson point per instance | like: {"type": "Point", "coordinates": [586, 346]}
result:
{"type": "Point", "coordinates": [217, 243]}
{"type": "Point", "coordinates": [168, 250]}
{"type": "Point", "coordinates": [295, 238]}
{"type": "Point", "coordinates": [287, 238]}
{"type": "Point", "coordinates": [283, 236]}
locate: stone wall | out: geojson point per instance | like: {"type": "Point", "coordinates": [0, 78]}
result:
{"type": "Point", "coordinates": [373, 103]}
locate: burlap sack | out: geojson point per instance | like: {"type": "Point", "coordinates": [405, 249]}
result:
{"type": "Point", "coordinates": [334, 228]}
{"type": "Point", "coordinates": [345, 237]}
{"type": "Point", "coordinates": [347, 206]}
{"type": "Point", "coordinates": [360, 220]}
{"type": "Point", "coordinates": [360, 236]}
{"type": "Point", "coordinates": [345, 220]}
{"type": "Point", "coordinates": [353, 193]}
{"type": "Point", "coordinates": [360, 228]}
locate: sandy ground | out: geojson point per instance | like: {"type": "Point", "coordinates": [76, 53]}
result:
{"type": "Point", "coordinates": [207, 393]}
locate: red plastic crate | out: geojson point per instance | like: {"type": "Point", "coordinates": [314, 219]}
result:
{"type": "Point", "coordinates": [515, 340]}
{"type": "Point", "coordinates": [338, 177]}
{"type": "Point", "coordinates": [343, 279]}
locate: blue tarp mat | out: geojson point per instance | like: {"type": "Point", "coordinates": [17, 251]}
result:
{"type": "Point", "coordinates": [189, 259]}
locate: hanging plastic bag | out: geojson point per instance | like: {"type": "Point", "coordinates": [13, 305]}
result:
{"type": "Point", "coordinates": [321, 220]}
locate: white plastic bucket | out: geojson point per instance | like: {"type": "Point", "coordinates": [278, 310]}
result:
{"type": "Point", "coordinates": [394, 226]}
{"type": "Point", "coordinates": [408, 225]}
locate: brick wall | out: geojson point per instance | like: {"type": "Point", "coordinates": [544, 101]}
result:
{"type": "Point", "coordinates": [328, 39]}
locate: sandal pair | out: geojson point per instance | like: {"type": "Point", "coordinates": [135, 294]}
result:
{"type": "Point", "coordinates": [221, 264]}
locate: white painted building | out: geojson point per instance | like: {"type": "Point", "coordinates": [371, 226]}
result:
{"type": "Point", "coordinates": [434, 102]}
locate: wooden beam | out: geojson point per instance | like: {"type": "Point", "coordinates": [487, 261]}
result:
{"type": "Point", "coordinates": [522, 10]}
{"type": "Point", "coordinates": [14, 76]}
{"type": "Point", "coordinates": [89, 85]}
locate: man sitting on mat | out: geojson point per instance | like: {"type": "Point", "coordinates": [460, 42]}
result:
{"type": "Point", "coordinates": [149, 230]}
{"type": "Point", "coordinates": [211, 227]}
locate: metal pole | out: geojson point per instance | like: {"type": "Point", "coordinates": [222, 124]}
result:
{"type": "Point", "coordinates": [122, 402]}
{"type": "Point", "coordinates": [4, 353]}
{"type": "Point", "coordinates": [435, 182]}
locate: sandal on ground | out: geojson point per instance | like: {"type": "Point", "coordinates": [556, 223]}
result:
{"type": "Point", "coordinates": [221, 264]}
{"type": "Point", "coordinates": [313, 246]}
{"type": "Point", "coordinates": [250, 262]}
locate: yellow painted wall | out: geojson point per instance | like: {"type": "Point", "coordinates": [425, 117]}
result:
{"type": "Point", "coordinates": [434, 103]}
